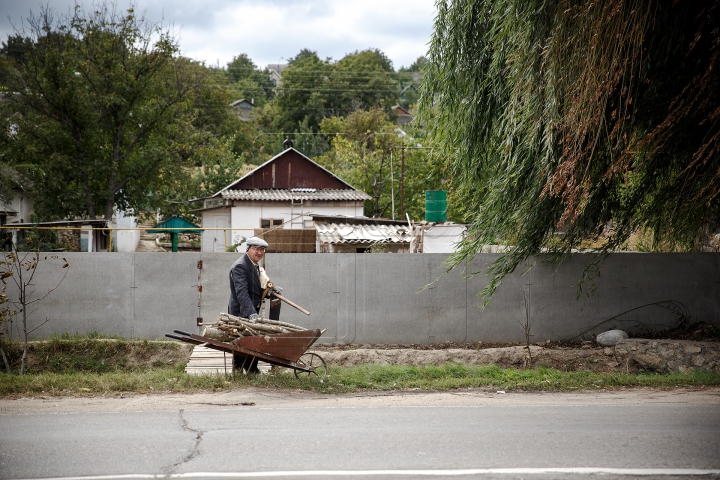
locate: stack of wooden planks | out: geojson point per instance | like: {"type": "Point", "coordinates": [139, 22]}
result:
{"type": "Point", "coordinates": [208, 361]}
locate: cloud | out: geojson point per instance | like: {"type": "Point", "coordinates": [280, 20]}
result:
{"type": "Point", "coordinates": [273, 30]}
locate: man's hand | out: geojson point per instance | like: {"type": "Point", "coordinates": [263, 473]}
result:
{"type": "Point", "coordinates": [253, 317]}
{"type": "Point", "coordinates": [277, 289]}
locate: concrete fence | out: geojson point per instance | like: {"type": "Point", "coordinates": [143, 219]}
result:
{"type": "Point", "coordinates": [374, 298]}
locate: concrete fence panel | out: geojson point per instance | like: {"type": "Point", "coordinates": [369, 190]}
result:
{"type": "Point", "coordinates": [375, 298]}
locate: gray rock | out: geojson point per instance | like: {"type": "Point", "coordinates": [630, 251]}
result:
{"type": "Point", "coordinates": [610, 338]}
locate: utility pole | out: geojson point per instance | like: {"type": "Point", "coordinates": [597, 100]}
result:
{"type": "Point", "coordinates": [402, 183]}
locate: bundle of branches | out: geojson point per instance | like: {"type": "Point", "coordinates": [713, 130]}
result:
{"type": "Point", "coordinates": [229, 327]}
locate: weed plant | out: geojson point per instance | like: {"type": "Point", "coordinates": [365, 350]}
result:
{"type": "Point", "coordinates": [345, 380]}
{"type": "Point", "coordinates": [96, 354]}
{"type": "Point", "coordinates": [98, 365]}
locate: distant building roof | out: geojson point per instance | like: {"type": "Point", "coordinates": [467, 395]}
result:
{"type": "Point", "coordinates": [408, 87]}
{"type": "Point", "coordinates": [339, 233]}
{"type": "Point", "coordinates": [8, 210]}
{"type": "Point", "coordinates": [242, 103]}
{"type": "Point", "coordinates": [277, 67]}
{"type": "Point", "coordinates": [243, 107]}
{"type": "Point", "coordinates": [289, 170]}
{"type": "Point", "coordinates": [276, 70]}
{"type": "Point", "coordinates": [281, 195]}
{"type": "Point", "coordinates": [403, 116]}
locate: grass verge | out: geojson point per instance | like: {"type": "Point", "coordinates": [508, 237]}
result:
{"type": "Point", "coordinates": [343, 380]}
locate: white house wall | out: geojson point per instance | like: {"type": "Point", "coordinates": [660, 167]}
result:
{"type": "Point", "coordinates": [126, 240]}
{"type": "Point", "coordinates": [22, 204]}
{"type": "Point", "coordinates": [442, 238]}
{"type": "Point", "coordinates": [216, 240]}
{"type": "Point", "coordinates": [245, 218]}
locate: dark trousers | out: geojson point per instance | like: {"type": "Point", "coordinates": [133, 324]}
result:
{"type": "Point", "coordinates": [249, 364]}
{"type": "Point", "coordinates": [243, 362]}
{"type": "Point", "coordinates": [275, 308]}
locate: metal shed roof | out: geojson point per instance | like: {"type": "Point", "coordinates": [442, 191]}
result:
{"type": "Point", "coordinates": [298, 194]}
{"type": "Point", "coordinates": [337, 233]}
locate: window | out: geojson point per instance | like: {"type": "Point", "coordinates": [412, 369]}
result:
{"type": "Point", "coordinates": [270, 222]}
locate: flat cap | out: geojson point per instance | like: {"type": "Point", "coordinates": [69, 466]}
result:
{"type": "Point", "coordinates": [256, 242]}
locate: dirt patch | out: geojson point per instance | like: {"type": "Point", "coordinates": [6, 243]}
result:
{"type": "Point", "coordinates": [98, 355]}
{"type": "Point", "coordinates": [595, 359]}
{"type": "Point", "coordinates": [102, 355]}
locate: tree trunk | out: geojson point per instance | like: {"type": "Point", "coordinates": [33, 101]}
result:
{"type": "Point", "coordinates": [88, 197]}
{"type": "Point", "coordinates": [23, 301]}
{"type": "Point", "coordinates": [5, 360]}
{"type": "Point", "coordinates": [109, 208]}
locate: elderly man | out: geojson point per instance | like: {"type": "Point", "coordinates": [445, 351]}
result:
{"type": "Point", "coordinates": [246, 291]}
{"type": "Point", "coordinates": [245, 283]}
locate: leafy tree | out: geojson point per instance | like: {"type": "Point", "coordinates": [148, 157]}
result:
{"type": "Point", "coordinates": [21, 268]}
{"type": "Point", "coordinates": [364, 147]}
{"type": "Point", "coordinates": [302, 55]}
{"type": "Point", "coordinates": [313, 89]}
{"type": "Point", "coordinates": [417, 66]}
{"type": "Point", "coordinates": [302, 95]}
{"type": "Point", "coordinates": [250, 82]}
{"type": "Point", "coordinates": [598, 118]}
{"type": "Point", "coordinates": [214, 167]}
{"type": "Point", "coordinates": [409, 79]}
{"type": "Point", "coordinates": [308, 142]}
{"type": "Point", "coordinates": [364, 80]}
{"type": "Point", "coordinates": [103, 108]}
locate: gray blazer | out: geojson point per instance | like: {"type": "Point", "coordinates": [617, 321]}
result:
{"type": "Point", "coordinates": [245, 290]}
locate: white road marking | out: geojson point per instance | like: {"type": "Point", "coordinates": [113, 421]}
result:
{"type": "Point", "coordinates": [640, 472]}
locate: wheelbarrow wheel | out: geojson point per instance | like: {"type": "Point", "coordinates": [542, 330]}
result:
{"type": "Point", "coordinates": [315, 361]}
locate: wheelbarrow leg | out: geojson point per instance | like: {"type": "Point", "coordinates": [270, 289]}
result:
{"type": "Point", "coordinates": [245, 363]}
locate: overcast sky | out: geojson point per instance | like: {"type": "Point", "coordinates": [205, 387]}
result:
{"type": "Point", "coordinates": [271, 31]}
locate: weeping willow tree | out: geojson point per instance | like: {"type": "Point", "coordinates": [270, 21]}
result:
{"type": "Point", "coordinates": [595, 118]}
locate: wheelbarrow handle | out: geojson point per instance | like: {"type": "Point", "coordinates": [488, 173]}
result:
{"type": "Point", "coordinates": [182, 333]}
{"type": "Point", "coordinates": [183, 339]}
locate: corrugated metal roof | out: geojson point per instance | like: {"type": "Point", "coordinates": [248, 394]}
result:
{"type": "Point", "coordinates": [287, 195]}
{"type": "Point", "coordinates": [284, 152]}
{"type": "Point", "coordinates": [334, 233]}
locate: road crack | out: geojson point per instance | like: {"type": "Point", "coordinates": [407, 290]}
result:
{"type": "Point", "coordinates": [167, 471]}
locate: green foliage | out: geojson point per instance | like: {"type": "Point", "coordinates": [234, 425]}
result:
{"type": "Point", "coordinates": [308, 142]}
{"type": "Point", "coordinates": [362, 154]}
{"type": "Point", "coordinates": [35, 239]}
{"type": "Point", "coordinates": [410, 84]}
{"type": "Point", "coordinates": [21, 268]}
{"type": "Point", "coordinates": [364, 80]}
{"type": "Point", "coordinates": [343, 380]}
{"type": "Point", "coordinates": [237, 241]}
{"type": "Point", "coordinates": [313, 89]}
{"type": "Point", "coordinates": [597, 118]}
{"type": "Point", "coordinates": [104, 111]}
{"type": "Point", "coordinates": [249, 81]}
{"type": "Point", "coordinates": [367, 152]}
{"type": "Point", "coordinates": [417, 66]}
{"type": "Point", "coordinates": [94, 354]}
{"type": "Point", "coordinates": [303, 94]}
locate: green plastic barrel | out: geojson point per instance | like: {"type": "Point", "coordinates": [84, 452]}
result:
{"type": "Point", "coordinates": [436, 205]}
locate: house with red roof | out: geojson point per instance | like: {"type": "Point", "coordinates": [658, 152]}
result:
{"type": "Point", "coordinates": [281, 194]}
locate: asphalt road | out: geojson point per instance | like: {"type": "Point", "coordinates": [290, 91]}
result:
{"type": "Point", "coordinates": [276, 435]}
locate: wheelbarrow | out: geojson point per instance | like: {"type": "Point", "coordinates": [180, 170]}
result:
{"type": "Point", "coordinates": [287, 350]}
